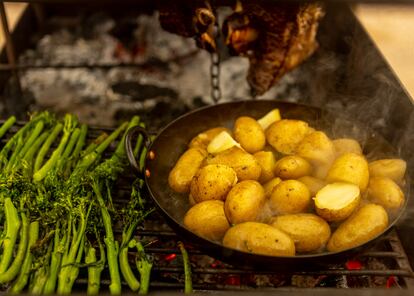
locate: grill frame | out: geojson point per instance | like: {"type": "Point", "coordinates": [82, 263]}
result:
{"type": "Point", "coordinates": [398, 252]}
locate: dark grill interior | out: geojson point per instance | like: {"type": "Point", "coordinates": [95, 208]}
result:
{"type": "Point", "coordinates": [346, 75]}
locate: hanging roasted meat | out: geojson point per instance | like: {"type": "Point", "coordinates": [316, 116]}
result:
{"type": "Point", "coordinates": [189, 19]}
{"type": "Point", "coordinates": [275, 37]}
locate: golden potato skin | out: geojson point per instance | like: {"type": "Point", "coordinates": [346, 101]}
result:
{"type": "Point", "coordinates": [313, 184]}
{"type": "Point", "coordinates": [203, 139]}
{"type": "Point", "coordinates": [249, 133]}
{"type": "Point", "coordinates": [346, 145]}
{"type": "Point", "coordinates": [309, 232]}
{"type": "Point", "coordinates": [212, 182]}
{"type": "Point", "coordinates": [259, 238]}
{"type": "Point", "coordinates": [185, 168]}
{"type": "Point", "coordinates": [290, 197]}
{"type": "Point", "coordinates": [267, 161]}
{"type": "Point", "coordinates": [244, 202]}
{"type": "Point", "coordinates": [207, 219]}
{"type": "Point", "coordinates": [245, 165]}
{"type": "Point", "coordinates": [285, 135]}
{"type": "Point", "coordinates": [392, 168]}
{"type": "Point", "coordinates": [351, 168]}
{"type": "Point", "coordinates": [292, 167]}
{"type": "Point", "coordinates": [319, 150]}
{"type": "Point", "coordinates": [365, 224]}
{"type": "Point", "coordinates": [385, 192]}
{"type": "Point", "coordinates": [269, 186]}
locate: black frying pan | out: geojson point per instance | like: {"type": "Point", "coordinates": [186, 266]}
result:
{"type": "Point", "coordinates": [172, 141]}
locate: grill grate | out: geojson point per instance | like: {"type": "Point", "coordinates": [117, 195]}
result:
{"type": "Point", "coordinates": [384, 263]}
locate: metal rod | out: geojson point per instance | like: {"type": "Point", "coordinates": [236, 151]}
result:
{"type": "Point", "coordinates": [11, 54]}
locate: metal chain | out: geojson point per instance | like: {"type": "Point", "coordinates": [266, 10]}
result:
{"type": "Point", "coordinates": [215, 69]}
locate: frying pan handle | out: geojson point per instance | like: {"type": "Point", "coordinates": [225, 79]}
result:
{"type": "Point", "coordinates": [132, 132]}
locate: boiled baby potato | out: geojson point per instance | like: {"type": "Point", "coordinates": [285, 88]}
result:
{"type": "Point", "coordinates": [267, 161]}
{"type": "Point", "coordinates": [203, 139]}
{"type": "Point", "coordinates": [212, 182]}
{"type": "Point", "coordinates": [389, 168]}
{"type": "Point", "coordinates": [249, 133]}
{"type": "Point", "coordinates": [207, 219]}
{"type": "Point", "coordinates": [290, 197]}
{"type": "Point", "coordinates": [319, 150]}
{"type": "Point", "coordinates": [346, 145]}
{"type": "Point", "coordinates": [259, 238]}
{"type": "Point", "coordinates": [185, 168]}
{"type": "Point", "coordinates": [351, 168]}
{"type": "Point", "coordinates": [244, 164]}
{"type": "Point", "coordinates": [336, 201]}
{"type": "Point", "coordinates": [313, 184]}
{"type": "Point", "coordinates": [385, 192]}
{"type": "Point", "coordinates": [292, 167]}
{"type": "Point", "coordinates": [365, 224]}
{"type": "Point", "coordinates": [309, 232]}
{"type": "Point", "coordinates": [269, 186]}
{"type": "Point", "coordinates": [244, 202]}
{"type": "Point", "coordinates": [285, 135]}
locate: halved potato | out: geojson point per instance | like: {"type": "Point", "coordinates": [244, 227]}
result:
{"type": "Point", "coordinates": [286, 134]}
{"type": "Point", "coordinates": [308, 231]}
{"type": "Point", "coordinates": [269, 118]}
{"type": "Point", "coordinates": [249, 133]}
{"type": "Point", "coordinates": [203, 139]}
{"type": "Point", "coordinates": [267, 161]}
{"type": "Point", "coordinates": [389, 168]}
{"type": "Point", "coordinates": [207, 219]}
{"type": "Point", "coordinates": [313, 184]}
{"type": "Point", "coordinates": [221, 142]}
{"type": "Point", "coordinates": [365, 224]}
{"type": "Point", "coordinates": [350, 168]}
{"type": "Point", "coordinates": [319, 150]}
{"type": "Point", "coordinates": [346, 145]}
{"type": "Point", "coordinates": [337, 201]}
{"type": "Point", "coordinates": [290, 197]}
{"type": "Point", "coordinates": [212, 182]}
{"type": "Point", "coordinates": [259, 238]}
{"type": "Point", "coordinates": [385, 192]}
{"type": "Point", "coordinates": [292, 167]}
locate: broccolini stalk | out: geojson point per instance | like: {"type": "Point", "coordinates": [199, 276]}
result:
{"type": "Point", "coordinates": [74, 271]}
{"type": "Point", "coordinates": [69, 126]}
{"type": "Point", "coordinates": [91, 147]}
{"type": "Point", "coordinates": [77, 151]}
{"type": "Point", "coordinates": [89, 159]}
{"type": "Point", "coordinates": [12, 229]}
{"type": "Point", "coordinates": [15, 142]}
{"type": "Point", "coordinates": [28, 144]}
{"type": "Point", "coordinates": [40, 275]}
{"type": "Point", "coordinates": [56, 259]}
{"type": "Point", "coordinates": [134, 215]}
{"type": "Point", "coordinates": [188, 284]}
{"type": "Point", "coordinates": [7, 125]}
{"type": "Point", "coordinates": [27, 162]}
{"type": "Point", "coordinates": [95, 268]}
{"type": "Point", "coordinates": [144, 266]}
{"type": "Point", "coordinates": [45, 147]}
{"type": "Point", "coordinates": [14, 268]}
{"type": "Point", "coordinates": [23, 277]}
{"type": "Point", "coordinates": [69, 267]}
{"type": "Point", "coordinates": [111, 247]}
